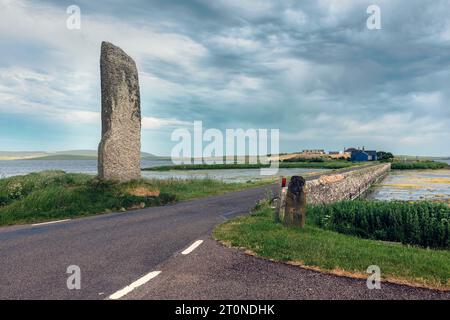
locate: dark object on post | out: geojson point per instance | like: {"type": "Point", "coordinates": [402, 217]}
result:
{"type": "Point", "coordinates": [295, 211]}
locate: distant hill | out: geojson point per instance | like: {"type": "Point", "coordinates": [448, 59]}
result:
{"type": "Point", "coordinates": [63, 157]}
{"type": "Point", "coordinates": [85, 153]}
{"type": "Point", "coordinates": [12, 155]}
{"type": "Point", "coordinates": [60, 155]}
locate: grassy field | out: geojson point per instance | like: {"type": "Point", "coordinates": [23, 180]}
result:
{"type": "Point", "coordinates": [336, 253]}
{"type": "Point", "coordinates": [337, 164]}
{"type": "Point", "coordinates": [418, 165]}
{"type": "Point", "coordinates": [51, 195]}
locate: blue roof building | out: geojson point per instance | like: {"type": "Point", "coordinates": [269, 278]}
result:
{"type": "Point", "coordinates": [364, 155]}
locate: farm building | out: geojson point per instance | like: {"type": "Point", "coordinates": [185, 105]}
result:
{"type": "Point", "coordinates": [364, 155]}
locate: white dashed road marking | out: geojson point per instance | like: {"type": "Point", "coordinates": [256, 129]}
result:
{"type": "Point", "coordinates": [192, 247]}
{"type": "Point", "coordinates": [119, 294]}
{"type": "Point", "coordinates": [50, 222]}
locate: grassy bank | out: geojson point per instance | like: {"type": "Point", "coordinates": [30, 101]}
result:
{"type": "Point", "coordinates": [336, 253]}
{"type": "Point", "coordinates": [422, 223]}
{"type": "Point", "coordinates": [51, 195]}
{"type": "Point", "coordinates": [418, 165]}
{"type": "Point", "coordinates": [338, 164]}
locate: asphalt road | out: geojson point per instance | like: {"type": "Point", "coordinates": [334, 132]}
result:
{"type": "Point", "coordinates": [213, 271]}
{"type": "Point", "coordinates": [112, 250]}
{"type": "Point", "coordinates": [115, 250]}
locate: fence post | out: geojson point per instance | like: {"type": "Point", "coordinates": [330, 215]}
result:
{"type": "Point", "coordinates": [281, 205]}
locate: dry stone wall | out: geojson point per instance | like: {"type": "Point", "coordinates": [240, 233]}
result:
{"type": "Point", "coordinates": [346, 185]}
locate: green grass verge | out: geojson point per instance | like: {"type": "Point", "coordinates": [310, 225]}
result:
{"type": "Point", "coordinates": [418, 165]}
{"type": "Point", "coordinates": [320, 165]}
{"type": "Point", "coordinates": [50, 195]}
{"type": "Point", "coordinates": [419, 223]}
{"type": "Point", "coordinates": [334, 252]}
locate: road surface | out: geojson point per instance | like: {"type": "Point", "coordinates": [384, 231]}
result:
{"type": "Point", "coordinates": [112, 250]}
{"type": "Point", "coordinates": [144, 248]}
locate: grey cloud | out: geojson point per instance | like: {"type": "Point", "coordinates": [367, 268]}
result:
{"type": "Point", "coordinates": [310, 68]}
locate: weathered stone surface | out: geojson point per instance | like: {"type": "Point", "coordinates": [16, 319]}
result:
{"type": "Point", "coordinates": [119, 151]}
{"type": "Point", "coordinates": [296, 203]}
{"type": "Point", "coordinates": [347, 185]}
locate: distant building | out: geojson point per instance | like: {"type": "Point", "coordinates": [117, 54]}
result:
{"type": "Point", "coordinates": [359, 155]}
{"type": "Point", "coordinates": [363, 155]}
{"type": "Point", "coordinates": [314, 151]}
{"type": "Point", "coordinates": [334, 152]}
{"type": "Point", "coordinates": [372, 155]}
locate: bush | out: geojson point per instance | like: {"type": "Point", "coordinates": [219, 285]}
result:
{"type": "Point", "coordinates": [18, 187]}
{"type": "Point", "coordinates": [412, 165]}
{"type": "Point", "coordinates": [424, 224]}
{"type": "Point", "coordinates": [3, 200]}
{"type": "Point", "coordinates": [385, 156]}
{"type": "Point", "coordinates": [55, 194]}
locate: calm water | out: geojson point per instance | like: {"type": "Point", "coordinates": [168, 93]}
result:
{"type": "Point", "coordinates": [226, 175]}
{"type": "Point", "coordinates": [414, 185]}
{"type": "Point", "coordinates": [21, 167]}
{"type": "Point", "coordinates": [446, 161]}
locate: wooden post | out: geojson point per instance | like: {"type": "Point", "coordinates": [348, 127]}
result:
{"type": "Point", "coordinates": [279, 210]}
{"type": "Point", "coordinates": [295, 211]}
{"type": "Point", "coordinates": [282, 208]}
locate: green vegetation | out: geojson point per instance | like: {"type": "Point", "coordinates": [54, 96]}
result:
{"type": "Point", "coordinates": [337, 164]}
{"type": "Point", "coordinates": [400, 157]}
{"type": "Point", "coordinates": [385, 156]}
{"type": "Point", "coordinates": [55, 194]}
{"type": "Point", "coordinates": [416, 165]}
{"type": "Point", "coordinates": [334, 252]}
{"type": "Point", "coordinates": [421, 223]}
{"type": "Point", "coordinates": [333, 164]}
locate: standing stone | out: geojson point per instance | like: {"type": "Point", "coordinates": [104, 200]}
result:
{"type": "Point", "coordinates": [119, 151]}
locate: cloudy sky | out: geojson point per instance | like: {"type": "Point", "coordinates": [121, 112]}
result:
{"type": "Point", "coordinates": [310, 68]}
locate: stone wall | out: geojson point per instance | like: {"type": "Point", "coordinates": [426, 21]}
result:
{"type": "Point", "coordinates": [346, 185]}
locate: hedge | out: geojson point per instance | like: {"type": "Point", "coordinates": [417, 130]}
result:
{"type": "Point", "coordinates": [423, 224]}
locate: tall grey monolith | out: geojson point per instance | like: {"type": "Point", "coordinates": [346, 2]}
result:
{"type": "Point", "coordinates": [119, 151]}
